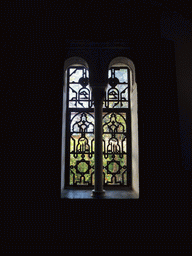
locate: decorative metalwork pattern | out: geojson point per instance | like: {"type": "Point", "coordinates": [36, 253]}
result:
{"type": "Point", "coordinates": [80, 132]}
{"type": "Point", "coordinates": [115, 148]}
{"type": "Point", "coordinates": [79, 91]}
{"type": "Point", "coordinates": [116, 129]}
{"type": "Point", "coordinates": [81, 149]}
{"type": "Point", "coordinates": [80, 145]}
{"type": "Point", "coordinates": [117, 90]}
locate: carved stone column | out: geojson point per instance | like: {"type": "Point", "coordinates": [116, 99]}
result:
{"type": "Point", "coordinates": [98, 92]}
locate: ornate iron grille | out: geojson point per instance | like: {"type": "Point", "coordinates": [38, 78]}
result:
{"type": "Point", "coordinates": [117, 93]}
{"type": "Point", "coordinates": [116, 129]}
{"type": "Point", "coordinates": [80, 129]}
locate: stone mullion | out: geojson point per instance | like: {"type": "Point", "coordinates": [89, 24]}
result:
{"type": "Point", "coordinates": [98, 93]}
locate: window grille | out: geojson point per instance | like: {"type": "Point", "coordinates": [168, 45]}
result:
{"type": "Point", "coordinates": [80, 129]}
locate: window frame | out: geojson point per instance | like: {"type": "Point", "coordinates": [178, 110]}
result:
{"type": "Point", "coordinates": [121, 61]}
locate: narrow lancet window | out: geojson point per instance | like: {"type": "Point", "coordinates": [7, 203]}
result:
{"type": "Point", "coordinates": [80, 129]}
{"type": "Point", "coordinates": [116, 129]}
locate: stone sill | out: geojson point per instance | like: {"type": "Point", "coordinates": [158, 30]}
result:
{"type": "Point", "coordinates": [109, 194]}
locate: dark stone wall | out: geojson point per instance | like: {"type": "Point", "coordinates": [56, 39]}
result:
{"type": "Point", "coordinates": [184, 87]}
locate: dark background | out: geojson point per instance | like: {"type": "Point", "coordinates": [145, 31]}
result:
{"type": "Point", "coordinates": [36, 37]}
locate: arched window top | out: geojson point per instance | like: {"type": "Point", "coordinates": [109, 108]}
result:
{"type": "Point", "coordinates": [75, 61]}
{"type": "Point", "coordinates": [123, 61]}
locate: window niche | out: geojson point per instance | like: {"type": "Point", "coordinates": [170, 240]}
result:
{"type": "Point", "coordinates": [123, 61]}
{"type": "Point", "coordinates": [130, 113]}
{"type": "Point", "coordinates": [76, 62]}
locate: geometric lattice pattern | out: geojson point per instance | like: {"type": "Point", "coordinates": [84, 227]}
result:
{"type": "Point", "coordinates": [80, 129]}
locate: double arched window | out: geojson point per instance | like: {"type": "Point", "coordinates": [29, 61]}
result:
{"type": "Point", "coordinates": [120, 126]}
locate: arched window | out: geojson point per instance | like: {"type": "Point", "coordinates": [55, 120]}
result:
{"type": "Point", "coordinates": [76, 102]}
{"type": "Point", "coordinates": [116, 128]}
{"type": "Point", "coordinates": [120, 128]}
{"type": "Point", "coordinates": [133, 110]}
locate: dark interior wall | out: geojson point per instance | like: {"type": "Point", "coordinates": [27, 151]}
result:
{"type": "Point", "coordinates": [158, 119]}
{"type": "Point", "coordinates": [35, 49]}
{"type": "Point", "coordinates": [184, 85]}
